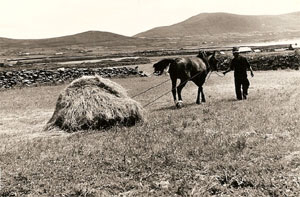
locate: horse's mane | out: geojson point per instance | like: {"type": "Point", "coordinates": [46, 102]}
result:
{"type": "Point", "coordinates": [206, 56]}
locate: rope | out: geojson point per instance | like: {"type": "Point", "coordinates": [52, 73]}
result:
{"type": "Point", "coordinates": [219, 74]}
{"type": "Point", "coordinates": [171, 89]}
{"type": "Point", "coordinates": [151, 88]}
{"type": "Point", "coordinates": [208, 75]}
{"type": "Point", "coordinates": [157, 98]}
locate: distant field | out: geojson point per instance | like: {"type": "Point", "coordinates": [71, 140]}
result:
{"type": "Point", "coordinates": [223, 147]}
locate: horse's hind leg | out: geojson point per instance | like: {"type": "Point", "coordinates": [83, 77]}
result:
{"type": "Point", "coordinates": [174, 90]}
{"type": "Point", "coordinates": [179, 89]}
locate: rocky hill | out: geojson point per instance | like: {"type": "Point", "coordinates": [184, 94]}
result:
{"type": "Point", "coordinates": [88, 39]}
{"type": "Point", "coordinates": [220, 23]}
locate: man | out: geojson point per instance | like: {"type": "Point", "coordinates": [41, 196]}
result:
{"type": "Point", "coordinates": [240, 65]}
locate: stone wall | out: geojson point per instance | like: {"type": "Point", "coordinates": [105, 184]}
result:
{"type": "Point", "coordinates": [275, 62]}
{"type": "Point", "coordinates": [9, 79]}
{"type": "Point", "coordinates": [268, 62]}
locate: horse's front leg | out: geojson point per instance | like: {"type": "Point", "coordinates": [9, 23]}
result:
{"type": "Point", "coordinates": [200, 91]}
{"type": "Point", "coordinates": [202, 95]}
{"type": "Point", "coordinates": [198, 96]}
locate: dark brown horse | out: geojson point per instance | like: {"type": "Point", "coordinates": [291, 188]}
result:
{"type": "Point", "coordinates": [187, 69]}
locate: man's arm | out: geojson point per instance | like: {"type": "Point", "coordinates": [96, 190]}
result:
{"type": "Point", "coordinates": [251, 71]}
{"type": "Point", "coordinates": [226, 71]}
{"type": "Point", "coordinates": [250, 68]}
{"type": "Point", "coordinates": [230, 68]}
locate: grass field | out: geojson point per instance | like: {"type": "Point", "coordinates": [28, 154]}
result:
{"type": "Point", "coordinates": [221, 148]}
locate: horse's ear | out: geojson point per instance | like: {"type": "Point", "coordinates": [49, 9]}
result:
{"type": "Point", "coordinates": [212, 54]}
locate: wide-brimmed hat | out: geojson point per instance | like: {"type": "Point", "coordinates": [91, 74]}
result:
{"type": "Point", "coordinates": [235, 50]}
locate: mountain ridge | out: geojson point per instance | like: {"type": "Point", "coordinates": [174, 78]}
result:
{"type": "Point", "coordinates": [88, 38]}
{"type": "Point", "coordinates": [221, 22]}
{"type": "Point", "coordinates": [198, 28]}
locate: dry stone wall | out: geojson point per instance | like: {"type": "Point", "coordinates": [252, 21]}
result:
{"type": "Point", "coordinates": [270, 62]}
{"type": "Point", "coordinates": [9, 79]}
{"type": "Point", "coordinates": [275, 62]}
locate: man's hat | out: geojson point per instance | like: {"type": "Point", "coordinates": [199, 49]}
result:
{"type": "Point", "coordinates": [235, 50]}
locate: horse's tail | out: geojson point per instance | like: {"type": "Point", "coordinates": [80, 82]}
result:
{"type": "Point", "coordinates": [169, 62]}
{"type": "Point", "coordinates": [164, 64]}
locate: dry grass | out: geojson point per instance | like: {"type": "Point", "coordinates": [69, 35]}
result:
{"type": "Point", "coordinates": [221, 148]}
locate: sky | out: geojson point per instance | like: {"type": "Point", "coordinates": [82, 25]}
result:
{"type": "Point", "coordinates": [35, 19]}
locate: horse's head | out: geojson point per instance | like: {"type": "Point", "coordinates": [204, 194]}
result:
{"type": "Point", "coordinates": [213, 62]}
{"type": "Point", "coordinates": [160, 66]}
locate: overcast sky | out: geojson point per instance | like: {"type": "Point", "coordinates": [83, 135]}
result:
{"type": "Point", "coordinates": [53, 18]}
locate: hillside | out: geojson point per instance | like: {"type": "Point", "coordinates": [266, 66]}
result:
{"type": "Point", "coordinates": [211, 28]}
{"type": "Point", "coordinates": [218, 23]}
{"type": "Point", "coordinates": [89, 38]}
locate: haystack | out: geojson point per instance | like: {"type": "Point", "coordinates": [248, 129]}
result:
{"type": "Point", "coordinates": [92, 102]}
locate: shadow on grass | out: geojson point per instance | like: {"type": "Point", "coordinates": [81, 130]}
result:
{"type": "Point", "coordinates": [172, 107]}
{"type": "Point", "coordinates": [236, 100]}
{"type": "Point", "coordinates": [193, 104]}
{"type": "Point", "coordinates": [231, 100]}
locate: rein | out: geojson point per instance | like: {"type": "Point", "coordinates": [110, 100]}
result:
{"type": "Point", "coordinates": [216, 74]}
{"type": "Point", "coordinates": [212, 70]}
{"type": "Point", "coordinates": [219, 74]}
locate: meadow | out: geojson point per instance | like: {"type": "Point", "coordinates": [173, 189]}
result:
{"type": "Point", "coordinates": [222, 147]}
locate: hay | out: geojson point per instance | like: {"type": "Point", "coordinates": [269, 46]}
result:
{"type": "Point", "coordinates": [92, 102]}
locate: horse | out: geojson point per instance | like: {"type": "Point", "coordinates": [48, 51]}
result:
{"type": "Point", "coordinates": [187, 69]}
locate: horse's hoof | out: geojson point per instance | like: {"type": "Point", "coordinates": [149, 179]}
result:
{"type": "Point", "coordinates": [198, 102]}
{"type": "Point", "coordinates": [179, 104]}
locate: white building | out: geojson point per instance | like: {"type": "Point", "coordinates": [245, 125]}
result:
{"type": "Point", "coordinates": [294, 46]}
{"type": "Point", "coordinates": [245, 49]}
